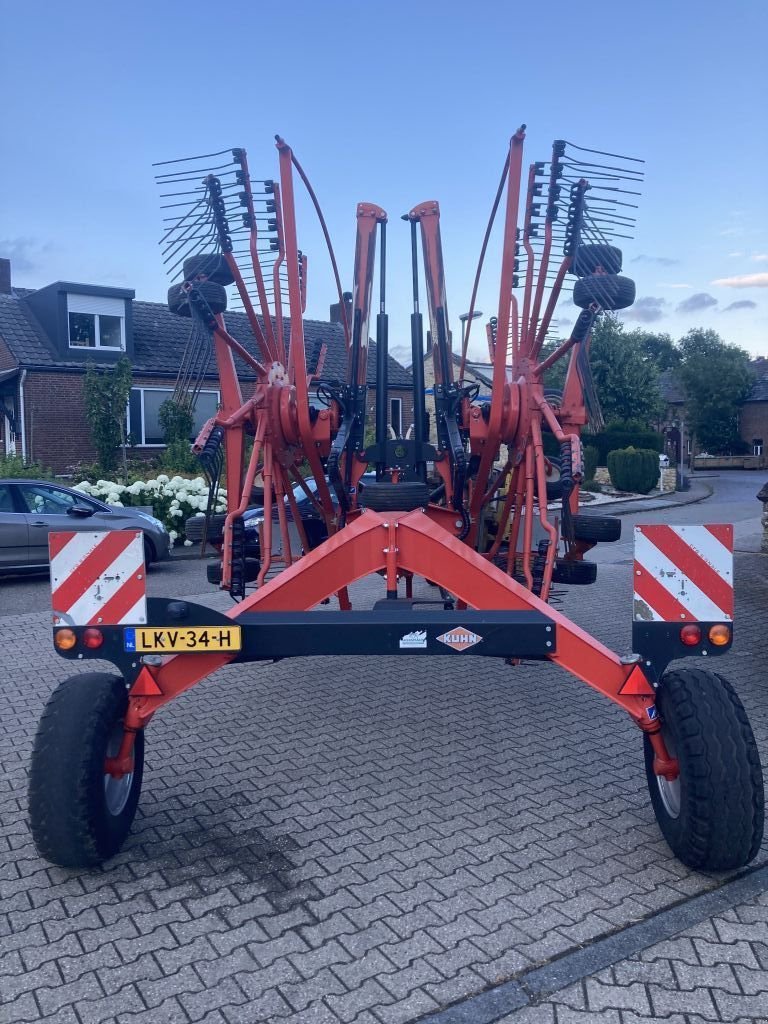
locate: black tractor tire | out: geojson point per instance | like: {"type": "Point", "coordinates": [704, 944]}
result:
{"type": "Point", "coordinates": [574, 573]}
{"type": "Point", "coordinates": [215, 533]}
{"type": "Point", "coordinates": [712, 815]}
{"type": "Point", "coordinates": [211, 266]}
{"type": "Point", "coordinates": [383, 496]}
{"type": "Point", "coordinates": [589, 258]}
{"type": "Point", "coordinates": [79, 816]}
{"type": "Point", "coordinates": [598, 529]}
{"type": "Point", "coordinates": [608, 291]}
{"type": "Point", "coordinates": [252, 567]}
{"type": "Point", "coordinates": [214, 295]}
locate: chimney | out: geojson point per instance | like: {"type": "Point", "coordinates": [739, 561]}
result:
{"type": "Point", "coordinates": [336, 315]}
{"type": "Point", "coordinates": [5, 277]}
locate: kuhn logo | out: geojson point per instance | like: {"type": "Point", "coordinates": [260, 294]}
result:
{"type": "Point", "coordinates": [460, 639]}
{"type": "Point", "coordinates": [416, 639]}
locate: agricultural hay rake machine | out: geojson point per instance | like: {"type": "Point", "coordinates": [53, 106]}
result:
{"type": "Point", "coordinates": [477, 509]}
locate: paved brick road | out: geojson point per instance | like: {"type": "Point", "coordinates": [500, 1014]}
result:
{"type": "Point", "coordinates": [717, 971]}
{"type": "Point", "coordinates": [369, 841]}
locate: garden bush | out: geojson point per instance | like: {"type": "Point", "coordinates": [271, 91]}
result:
{"type": "Point", "coordinates": [173, 499]}
{"type": "Point", "coordinates": [634, 469]}
{"type": "Point", "coordinates": [14, 466]}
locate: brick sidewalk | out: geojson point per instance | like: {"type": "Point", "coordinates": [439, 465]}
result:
{"type": "Point", "coordinates": [356, 840]}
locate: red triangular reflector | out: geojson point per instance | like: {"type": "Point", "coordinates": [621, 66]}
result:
{"type": "Point", "coordinates": [145, 685]}
{"type": "Point", "coordinates": [636, 685]}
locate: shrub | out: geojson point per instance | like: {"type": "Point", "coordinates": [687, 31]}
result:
{"type": "Point", "coordinates": [591, 460]}
{"type": "Point", "coordinates": [14, 466]}
{"type": "Point", "coordinates": [592, 487]}
{"type": "Point", "coordinates": [634, 469]}
{"type": "Point", "coordinates": [613, 439]}
{"type": "Point", "coordinates": [173, 499]}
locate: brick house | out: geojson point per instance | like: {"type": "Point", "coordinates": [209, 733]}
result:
{"type": "Point", "coordinates": [753, 417]}
{"type": "Point", "coordinates": [48, 337]}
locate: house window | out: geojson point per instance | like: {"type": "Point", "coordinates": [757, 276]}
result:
{"type": "Point", "coordinates": [96, 322]}
{"type": "Point", "coordinates": [396, 416]}
{"type": "Point", "coordinates": [144, 414]}
{"type": "Point", "coordinates": [757, 446]}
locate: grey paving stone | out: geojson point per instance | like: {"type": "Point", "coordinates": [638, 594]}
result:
{"type": "Point", "coordinates": [268, 867]}
{"type": "Point", "coordinates": [618, 997]}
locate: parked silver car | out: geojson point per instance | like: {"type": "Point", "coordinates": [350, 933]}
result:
{"type": "Point", "coordinates": [30, 509]}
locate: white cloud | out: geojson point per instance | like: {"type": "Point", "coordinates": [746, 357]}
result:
{"type": "Point", "coordinates": [743, 281]}
{"type": "Point", "coordinates": [760, 257]}
{"type": "Point", "coordinates": [734, 255]}
{"type": "Point", "coordinates": [675, 285]}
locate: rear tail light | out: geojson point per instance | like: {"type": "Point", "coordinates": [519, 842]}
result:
{"type": "Point", "coordinates": [93, 638]}
{"type": "Point", "coordinates": [690, 635]}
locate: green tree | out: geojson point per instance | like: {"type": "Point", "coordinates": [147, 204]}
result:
{"type": "Point", "coordinates": [657, 349]}
{"type": "Point", "coordinates": [554, 377]}
{"type": "Point", "coordinates": [717, 379]}
{"type": "Point", "coordinates": [625, 380]}
{"type": "Point", "coordinates": [106, 394]}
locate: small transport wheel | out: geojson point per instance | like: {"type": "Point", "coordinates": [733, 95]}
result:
{"type": "Point", "coordinates": [214, 295]}
{"type": "Point", "coordinates": [609, 291]}
{"type": "Point", "coordinates": [80, 815]}
{"type": "Point", "coordinates": [589, 258]}
{"type": "Point", "coordinates": [597, 528]}
{"type": "Point", "coordinates": [712, 814]}
{"type": "Point", "coordinates": [211, 266]}
{"type": "Point", "coordinates": [383, 496]}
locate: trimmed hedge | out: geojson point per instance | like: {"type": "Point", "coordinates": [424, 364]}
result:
{"type": "Point", "coordinates": [591, 461]}
{"type": "Point", "coordinates": [634, 469]}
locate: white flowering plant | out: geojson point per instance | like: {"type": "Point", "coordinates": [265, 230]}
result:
{"type": "Point", "coordinates": [173, 499]}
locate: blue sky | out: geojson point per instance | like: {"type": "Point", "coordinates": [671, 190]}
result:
{"type": "Point", "coordinates": [393, 103]}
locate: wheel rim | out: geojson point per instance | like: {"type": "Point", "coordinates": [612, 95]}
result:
{"type": "Point", "coordinates": [669, 791]}
{"type": "Point", "coordinates": [116, 791]}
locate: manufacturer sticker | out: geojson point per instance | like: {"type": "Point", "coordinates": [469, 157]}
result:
{"type": "Point", "coordinates": [652, 713]}
{"type": "Point", "coordinates": [411, 641]}
{"type": "Point", "coordinates": [460, 639]}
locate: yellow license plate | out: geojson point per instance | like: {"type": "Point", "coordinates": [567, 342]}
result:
{"type": "Point", "coordinates": [185, 639]}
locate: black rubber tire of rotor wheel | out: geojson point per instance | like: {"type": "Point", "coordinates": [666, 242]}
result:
{"type": "Point", "coordinates": [214, 295]}
{"type": "Point", "coordinates": [599, 529]}
{"type": "Point", "coordinates": [574, 573]}
{"type": "Point", "coordinates": [383, 496]}
{"type": "Point", "coordinates": [718, 801]}
{"type": "Point", "coordinates": [211, 265]}
{"type": "Point", "coordinates": [589, 258]}
{"type": "Point", "coordinates": [71, 822]}
{"type": "Point", "coordinates": [608, 291]}
{"type": "Point", "coordinates": [195, 525]}
{"type": "Point", "coordinates": [252, 567]}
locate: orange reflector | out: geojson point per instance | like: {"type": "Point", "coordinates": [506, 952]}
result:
{"type": "Point", "coordinates": [720, 635]}
{"type": "Point", "coordinates": [93, 638]}
{"type": "Point", "coordinates": [64, 639]}
{"type": "Point", "coordinates": [690, 635]}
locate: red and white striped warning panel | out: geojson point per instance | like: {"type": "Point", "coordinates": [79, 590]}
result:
{"type": "Point", "coordinates": [683, 573]}
{"type": "Point", "coordinates": [98, 578]}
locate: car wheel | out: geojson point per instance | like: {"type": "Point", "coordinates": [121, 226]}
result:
{"type": "Point", "coordinates": [150, 555]}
